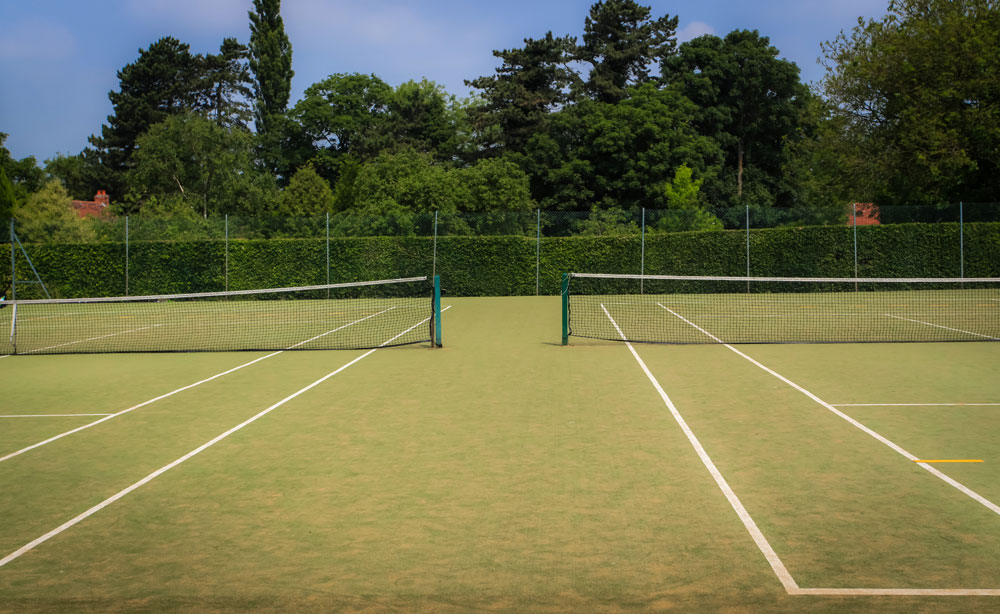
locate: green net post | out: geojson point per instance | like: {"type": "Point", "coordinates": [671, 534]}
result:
{"type": "Point", "coordinates": [437, 311]}
{"type": "Point", "coordinates": [565, 309]}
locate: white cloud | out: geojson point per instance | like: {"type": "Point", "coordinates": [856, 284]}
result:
{"type": "Point", "coordinates": [201, 14]}
{"type": "Point", "coordinates": [35, 39]}
{"type": "Point", "coordinates": [694, 30]}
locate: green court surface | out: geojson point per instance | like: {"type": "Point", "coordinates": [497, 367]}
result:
{"type": "Point", "coordinates": [504, 473]}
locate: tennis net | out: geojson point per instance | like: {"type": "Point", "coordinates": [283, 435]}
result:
{"type": "Point", "coordinates": [358, 315]}
{"type": "Point", "coordinates": [680, 309]}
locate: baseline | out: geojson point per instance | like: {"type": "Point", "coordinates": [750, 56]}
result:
{"type": "Point", "coordinates": [125, 491]}
{"type": "Point", "coordinates": [915, 404]}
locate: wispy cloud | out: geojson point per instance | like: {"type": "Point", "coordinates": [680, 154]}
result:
{"type": "Point", "coordinates": [35, 39]}
{"type": "Point", "coordinates": [694, 30]}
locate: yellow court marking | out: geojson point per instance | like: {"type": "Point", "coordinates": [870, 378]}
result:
{"type": "Point", "coordinates": [958, 460]}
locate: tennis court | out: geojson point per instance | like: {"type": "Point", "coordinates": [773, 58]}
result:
{"type": "Point", "coordinates": [504, 472]}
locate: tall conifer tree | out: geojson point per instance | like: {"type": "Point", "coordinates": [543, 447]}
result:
{"type": "Point", "coordinates": [271, 63]}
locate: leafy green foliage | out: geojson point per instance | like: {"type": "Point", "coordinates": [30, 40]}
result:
{"type": "Point", "coordinates": [46, 216]}
{"type": "Point", "coordinates": [190, 163]}
{"type": "Point", "coordinates": [620, 41]}
{"type": "Point", "coordinates": [24, 175]}
{"type": "Point", "coordinates": [529, 84]}
{"type": "Point", "coordinates": [6, 196]}
{"type": "Point", "coordinates": [748, 101]}
{"type": "Point", "coordinates": [307, 194]}
{"type": "Point", "coordinates": [225, 91]}
{"type": "Point", "coordinates": [918, 93]}
{"type": "Point", "coordinates": [617, 155]}
{"type": "Point", "coordinates": [270, 62]}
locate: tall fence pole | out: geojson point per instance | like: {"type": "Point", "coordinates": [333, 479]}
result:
{"type": "Point", "coordinates": [748, 246]}
{"type": "Point", "coordinates": [227, 252]}
{"type": "Point", "coordinates": [13, 272]}
{"type": "Point", "coordinates": [328, 253]}
{"type": "Point", "coordinates": [538, 249]}
{"type": "Point", "coordinates": [961, 241]}
{"type": "Point", "coordinates": [642, 253]}
{"type": "Point", "coordinates": [854, 223]}
{"type": "Point", "coordinates": [126, 255]}
{"type": "Point", "coordinates": [435, 257]}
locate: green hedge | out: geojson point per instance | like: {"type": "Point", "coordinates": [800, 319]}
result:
{"type": "Point", "coordinates": [484, 266]}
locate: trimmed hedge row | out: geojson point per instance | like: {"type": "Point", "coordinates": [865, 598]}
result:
{"type": "Point", "coordinates": [500, 266]}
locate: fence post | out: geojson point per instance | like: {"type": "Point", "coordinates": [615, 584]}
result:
{"type": "Point", "coordinates": [126, 255]}
{"type": "Point", "coordinates": [538, 249]}
{"type": "Point", "coordinates": [13, 271]}
{"type": "Point", "coordinates": [642, 253]}
{"type": "Point", "coordinates": [854, 223]}
{"type": "Point", "coordinates": [748, 246]}
{"type": "Point", "coordinates": [328, 253]}
{"type": "Point", "coordinates": [961, 241]}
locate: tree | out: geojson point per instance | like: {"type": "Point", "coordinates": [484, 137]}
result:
{"type": "Point", "coordinates": [749, 101]}
{"type": "Point", "coordinates": [530, 83]}
{"type": "Point", "coordinates": [226, 85]}
{"type": "Point", "coordinates": [342, 111]}
{"type": "Point", "coordinates": [307, 194]}
{"type": "Point", "coordinates": [620, 42]}
{"type": "Point", "coordinates": [918, 92]}
{"type": "Point", "coordinates": [6, 197]}
{"type": "Point", "coordinates": [188, 162]}
{"type": "Point", "coordinates": [24, 175]}
{"type": "Point", "coordinates": [270, 62]}
{"type": "Point", "coordinates": [46, 216]}
{"type": "Point", "coordinates": [684, 207]}
{"type": "Point", "coordinates": [163, 81]}
{"type": "Point", "coordinates": [617, 155]}
{"type": "Point", "coordinates": [79, 174]}
{"type": "Point", "coordinates": [421, 116]}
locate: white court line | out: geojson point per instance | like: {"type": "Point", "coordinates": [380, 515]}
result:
{"type": "Point", "coordinates": [914, 404]}
{"type": "Point", "coordinates": [51, 415]}
{"type": "Point", "coordinates": [208, 444]}
{"type": "Point", "coordinates": [993, 507]}
{"type": "Point", "coordinates": [173, 392]}
{"type": "Point", "coordinates": [939, 592]}
{"type": "Point", "coordinates": [762, 544]}
{"type": "Point", "coordinates": [957, 330]}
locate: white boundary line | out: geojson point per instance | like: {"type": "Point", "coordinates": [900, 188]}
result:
{"type": "Point", "coordinates": [914, 404]}
{"type": "Point", "coordinates": [173, 392]}
{"type": "Point", "coordinates": [762, 544]}
{"type": "Point", "coordinates": [51, 415]}
{"type": "Point", "coordinates": [115, 497]}
{"type": "Point", "coordinates": [993, 507]}
{"type": "Point", "coordinates": [957, 330]}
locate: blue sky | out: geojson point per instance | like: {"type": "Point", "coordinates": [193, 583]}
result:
{"type": "Point", "coordinates": [59, 58]}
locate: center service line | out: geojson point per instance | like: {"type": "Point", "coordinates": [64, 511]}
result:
{"type": "Point", "coordinates": [763, 545]}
